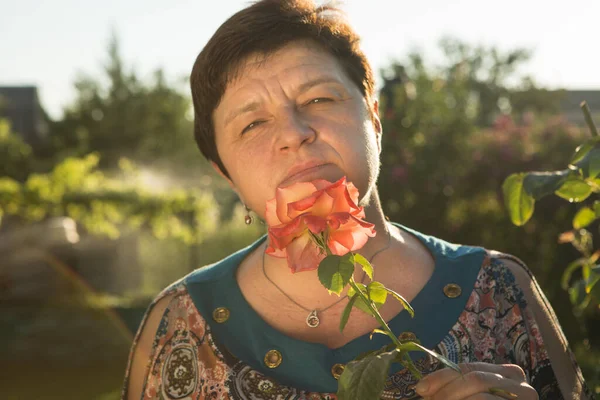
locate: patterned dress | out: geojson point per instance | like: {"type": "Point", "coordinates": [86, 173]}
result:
{"type": "Point", "coordinates": [210, 344]}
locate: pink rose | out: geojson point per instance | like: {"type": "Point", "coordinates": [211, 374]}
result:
{"type": "Point", "coordinates": [318, 207]}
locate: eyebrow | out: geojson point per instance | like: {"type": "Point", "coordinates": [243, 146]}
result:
{"type": "Point", "coordinates": [252, 106]}
{"type": "Point", "coordinates": [255, 105]}
{"type": "Point", "coordinates": [317, 81]}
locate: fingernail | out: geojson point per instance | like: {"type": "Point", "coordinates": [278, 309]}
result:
{"type": "Point", "coordinates": [422, 387]}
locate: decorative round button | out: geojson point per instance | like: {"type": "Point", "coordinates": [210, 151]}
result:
{"type": "Point", "coordinates": [407, 336]}
{"type": "Point", "coordinates": [337, 370]}
{"type": "Point", "coordinates": [221, 314]}
{"type": "Point", "coordinates": [273, 358]}
{"type": "Point", "coordinates": [452, 290]}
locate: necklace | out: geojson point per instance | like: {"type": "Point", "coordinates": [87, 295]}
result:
{"type": "Point", "coordinates": [312, 320]}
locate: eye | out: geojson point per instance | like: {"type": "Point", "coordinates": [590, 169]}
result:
{"type": "Point", "coordinates": [319, 100]}
{"type": "Point", "coordinates": [251, 126]}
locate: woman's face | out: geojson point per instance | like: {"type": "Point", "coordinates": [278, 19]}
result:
{"type": "Point", "coordinates": [294, 116]}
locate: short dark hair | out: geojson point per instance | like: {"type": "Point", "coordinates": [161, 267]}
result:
{"type": "Point", "coordinates": [263, 28]}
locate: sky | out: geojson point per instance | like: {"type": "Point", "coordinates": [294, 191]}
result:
{"type": "Point", "coordinates": [49, 44]}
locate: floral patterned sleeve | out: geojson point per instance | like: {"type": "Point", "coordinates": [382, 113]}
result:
{"type": "Point", "coordinates": [537, 343]}
{"type": "Point", "coordinates": [175, 341]}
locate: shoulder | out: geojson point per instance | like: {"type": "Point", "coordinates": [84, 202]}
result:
{"type": "Point", "coordinates": [512, 265]}
{"type": "Point", "coordinates": [553, 368]}
{"type": "Point", "coordinates": [171, 322]}
{"type": "Point", "coordinates": [221, 269]}
{"type": "Point", "coordinates": [511, 275]}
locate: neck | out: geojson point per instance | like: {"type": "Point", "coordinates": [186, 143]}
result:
{"type": "Point", "coordinates": [305, 287]}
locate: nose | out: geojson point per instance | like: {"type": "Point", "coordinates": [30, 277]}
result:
{"type": "Point", "coordinates": [295, 131]}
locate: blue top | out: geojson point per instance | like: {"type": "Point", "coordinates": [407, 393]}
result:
{"type": "Point", "coordinates": [307, 365]}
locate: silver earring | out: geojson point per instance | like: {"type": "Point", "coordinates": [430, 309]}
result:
{"type": "Point", "coordinates": [248, 218]}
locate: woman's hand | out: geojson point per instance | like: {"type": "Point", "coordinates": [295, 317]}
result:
{"type": "Point", "coordinates": [479, 381]}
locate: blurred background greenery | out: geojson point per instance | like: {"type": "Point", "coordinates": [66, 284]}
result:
{"type": "Point", "coordinates": [107, 205]}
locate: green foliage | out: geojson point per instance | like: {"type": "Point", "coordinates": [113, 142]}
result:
{"type": "Point", "coordinates": [15, 155]}
{"type": "Point", "coordinates": [121, 115]}
{"type": "Point", "coordinates": [103, 205]}
{"type": "Point", "coordinates": [520, 201]}
{"type": "Point", "coordinates": [365, 379]}
{"type": "Point", "coordinates": [347, 311]}
{"type": "Point", "coordinates": [575, 184]}
{"type": "Point", "coordinates": [446, 157]}
{"type": "Point", "coordinates": [335, 272]}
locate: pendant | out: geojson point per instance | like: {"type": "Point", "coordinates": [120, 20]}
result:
{"type": "Point", "coordinates": [312, 320]}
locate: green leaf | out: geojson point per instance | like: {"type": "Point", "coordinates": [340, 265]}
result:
{"type": "Point", "coordinates": [568, 272]}
{"type": "Point", "coordinates": [574, 189]}
{"type": "Point", "coordinates": [360, 304]}
{"type": "Point", "coordinates": [347, 311]}
{"type": "Point", "coordinates": [591, 281]}
{"type": "Point", "coordinates": [541, 184]}
{"type": "Point", "coordinates": [365, 379]}
{"type": "Point", "coordinates": [377, 293]}
{"type": "Point", "coordinates": [412, 346]}
{"type": "Point", "coordinates": [589, 163]}
{"type": "Point", "coordinates": [404, 302]}
{"type": "Point", "coordinates": [366, 354]}
{"type": "Point", "coordinates": [518, 202]}
{"type": "Point", "coordinates": [335, 272]}
{"type": "Point", "coordinates": [578, 296]}
{"type": "Point", "coordinates": [361, 286]}
{"type": "Point", "coordinates": [593, 163]}
{"type": "Point", "coordinates": [586, 271]}
{"type": "Point", "coordinates": [597, 208]}
{"type": "Point", "coordinates": [583, 218]}
{"type": "Point", "coordinates": [365, 264]}
{"type": "Point", "coordinates": [584, 149]}
{"type": "Point", "coordinates": [380, 331]}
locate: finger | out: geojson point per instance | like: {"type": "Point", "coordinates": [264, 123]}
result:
{"type": "Point", "coordinates": [434, 381]}
{"type": "Point", "coordinates": [482, 396]}
{"type": "Point", "coordinates": [479, 382]}
{"type": "Point", "coordinates": [505, 394]}
{"type": "Point", "coordinates": [510, 371]}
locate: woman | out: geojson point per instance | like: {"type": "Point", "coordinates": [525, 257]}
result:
{"type": "Point", "coordinates": [283, 94]}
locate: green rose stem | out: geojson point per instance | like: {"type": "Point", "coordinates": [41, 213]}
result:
{"type": "Point", "coordinates": [375, 312]}
{"type": "Point", "coordinates": [588, 118]}
{"type": "Point", "coordinates": [365, 376]}
{"type": "Point", "coordinates": [386, 329]}
{"type": "Point", "coordinates": [405, 360]}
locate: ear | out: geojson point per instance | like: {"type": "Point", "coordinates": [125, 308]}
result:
{"type": "Point", "coordinates": [377, 124]}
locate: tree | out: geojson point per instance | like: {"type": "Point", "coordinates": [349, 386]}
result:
{"type": "Point", "coordinates": [148, 122]}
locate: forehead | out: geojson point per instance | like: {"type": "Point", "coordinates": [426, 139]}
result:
{"type": "Point", "coordinates": [296, 62]}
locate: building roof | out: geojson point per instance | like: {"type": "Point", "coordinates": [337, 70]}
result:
{"type": "Point", "coordinates": [21, 106]}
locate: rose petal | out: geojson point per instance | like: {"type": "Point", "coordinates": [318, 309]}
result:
{"type": "Point", "coordinates": [337, 219]}
{"type": "Point", "coordinates": [314, 223]}
{"type": "Point", "coordinates": [282, 235]}
{"type": "Point", "coordinates": [352, 192]}
{"type": "Point", "coordinates": [276, 252]}
{"type": "Point", "coordinates": [315, 207]}
{"type": "Point", "coordinates": [322, 205]}
{"type": "Point", "coordinates": [351, 236]}
{"type": "Point", "coordinates": [289, 194]}
{"type": "Point", "coordinates": [271, 213]}
{"type": "Point", "coordinates": [321, 184]}
{"type": "Point", "coordinates": [303, 254]}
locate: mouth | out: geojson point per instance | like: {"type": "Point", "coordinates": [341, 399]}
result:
{"type": "Point", "coordinates": [303, 171]}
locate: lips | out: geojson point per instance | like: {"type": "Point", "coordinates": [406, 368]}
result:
{"type": "Point", "coordinates": [301, 170]}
